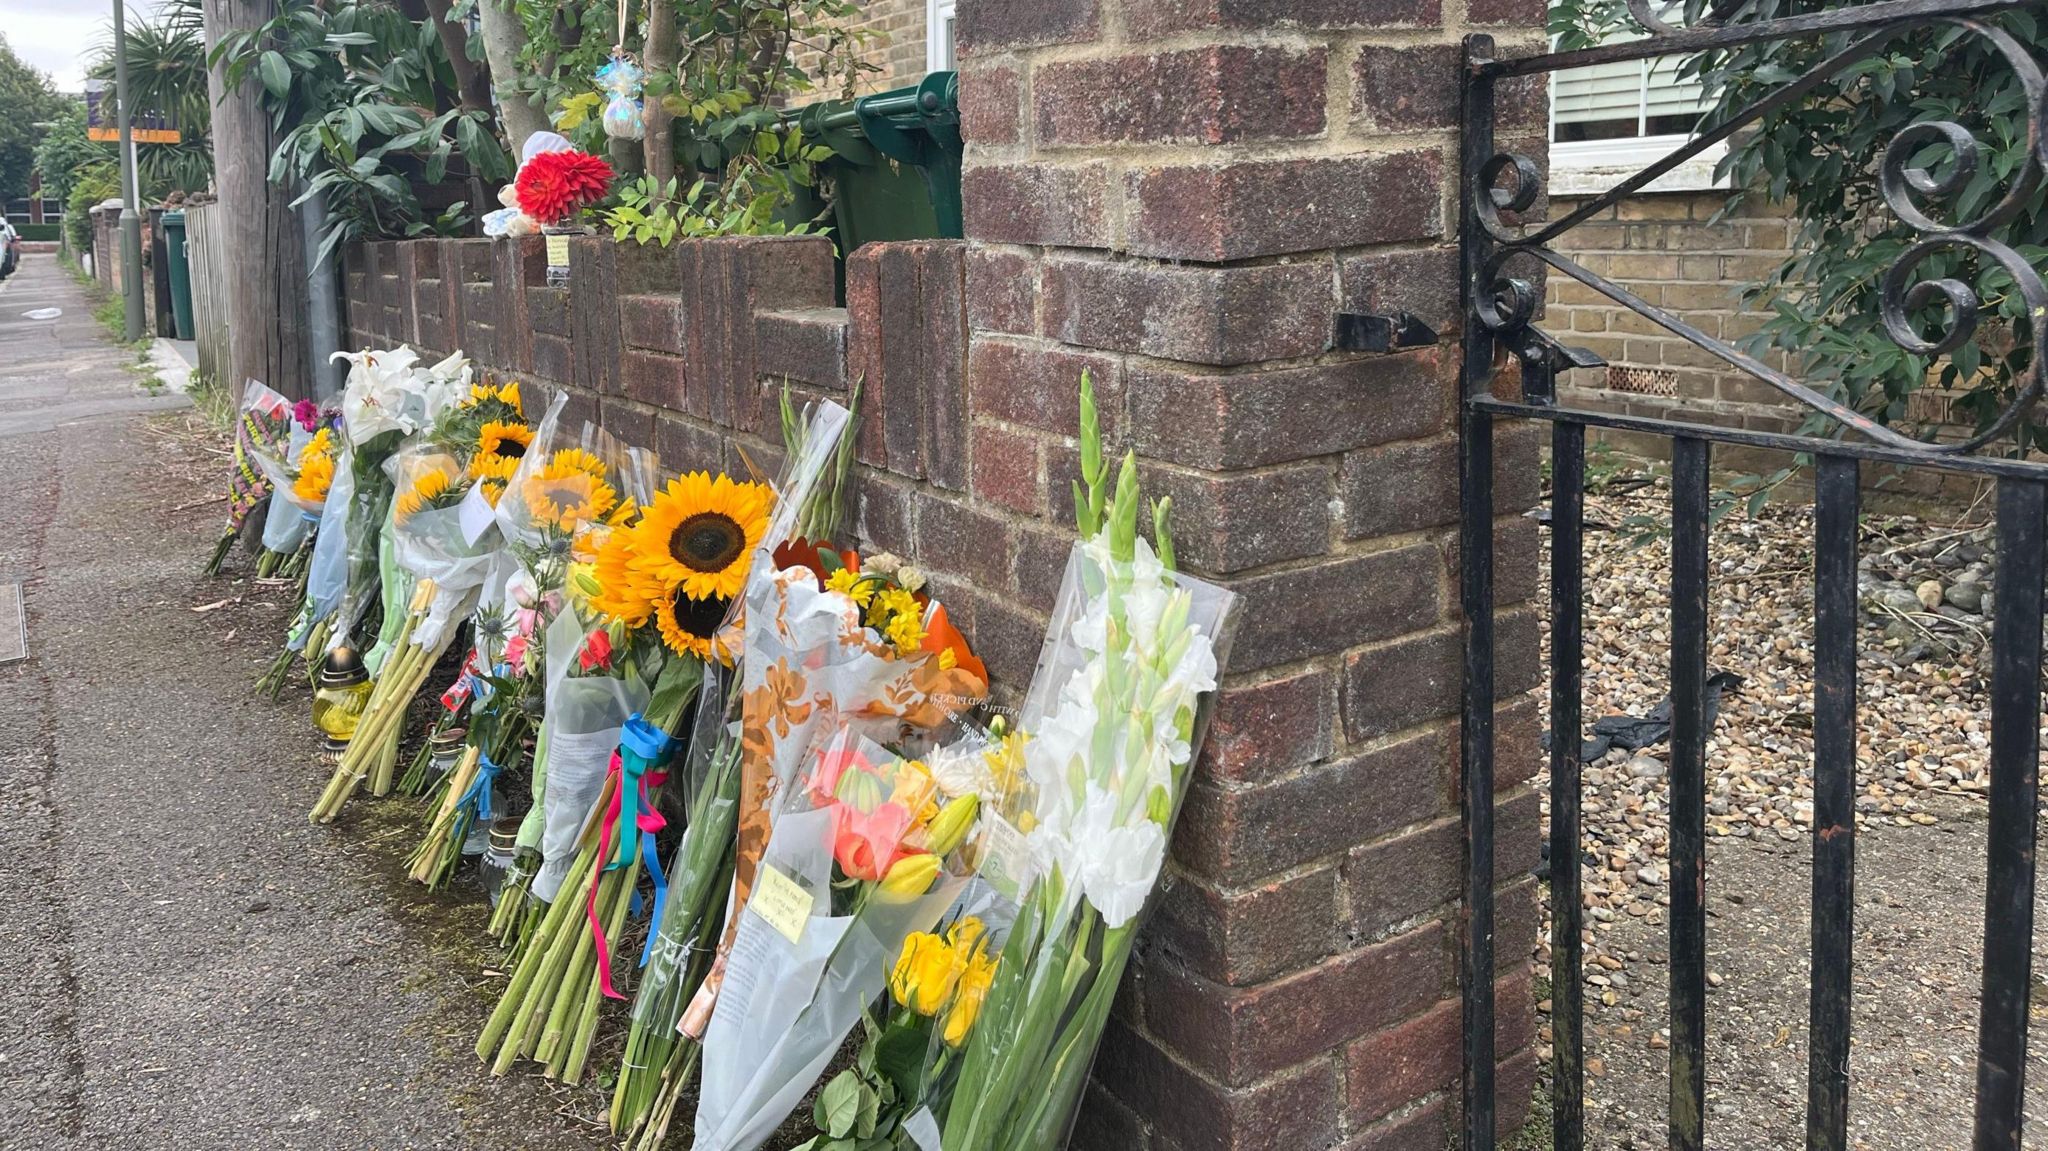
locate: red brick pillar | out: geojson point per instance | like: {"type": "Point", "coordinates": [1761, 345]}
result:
{"type": "Point", "coordinates": [1179, 196]}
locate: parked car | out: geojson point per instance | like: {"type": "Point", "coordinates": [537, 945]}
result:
{"type": "Point", "coordinates": [10, 248]}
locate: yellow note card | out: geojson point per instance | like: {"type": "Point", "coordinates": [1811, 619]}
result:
{"type": "Point", "coordinates": [782, 902]}
{"type": "Point", "coordinates": [558, 251]}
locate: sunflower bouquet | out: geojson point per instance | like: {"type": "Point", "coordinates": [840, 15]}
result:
{"type": "Point", "coordinates": [262, 427]}
{"type": "Point", "coordinates": [628, 655]}
{"type": "Point", "coordinates": [658, 1061]}
{"type": "Point", "coordinates": [855, 868]}
{"type": "Point", "coordinates": [442, 536]}
{"type": "Point", "coordinates": [553, 503]}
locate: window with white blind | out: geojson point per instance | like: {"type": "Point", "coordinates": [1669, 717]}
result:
{"type": "Point", "coordinates": [938, 35]}
{"type": "Point", "coordinates": [1609, 120]}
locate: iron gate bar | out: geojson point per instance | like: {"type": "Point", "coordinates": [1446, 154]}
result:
{"type": "Point", "coordinates": [1836, 499]}
{"type": "Point", "coordinates": [1499, 311]}
{"type": "Point", "coordinates": [1567, 921]}
{"type": "Point", "coordinates": [1875, 453]}
{"type": "Point", "coordinates": [2015, 771]}
{"type": "Point", "coordinates": [1688, 879]}
{"type": "Point", "coordinates": [1854, 19]}
{"type": "Point", "coordinates": [1475, 728]}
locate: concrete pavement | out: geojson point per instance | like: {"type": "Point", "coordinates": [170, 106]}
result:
{"type": "Point", "coordinates": [187, 963]}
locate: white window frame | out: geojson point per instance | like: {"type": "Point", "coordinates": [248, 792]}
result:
{"type": "Point", "coordinates": [938, 35]}
{"type": "Point", "coordinates": [1590, 167]}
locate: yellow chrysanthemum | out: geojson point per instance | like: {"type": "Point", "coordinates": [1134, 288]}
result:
{"type": "Point", "coordinates": [427, 492]}
{"type": "Point", "coordinates": [699, 534]}
{"type": "Point", "coordinates": [566, 494]}
{"type": "Point", "coordinates": [316, 470]}
{"type": "Point", "coordinates": [848, 583]}
{"type": "Point", "coordinates": [691, 626]}
{"type": "Point", "coordinates": [890, 603]}
{"type": "Point", "coordinates": [504, 439]}
{"type": "Point", "coordinates": [906, 631]}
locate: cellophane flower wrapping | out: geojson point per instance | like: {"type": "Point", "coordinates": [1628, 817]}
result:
{"type": "Point", "coordinates": [567, 485]}
{"type": "Point", "coordinates": [1110, 727]}
{"type": "Point", "coordinates": [275, 454]}
{"type": "Point", "coordinates": [815, 943]}
{"type": "Point", "coordinates": [700, 871]}
{"type": "Point", "coordinates": [813, 667]}
{"type": "Point", "coordinates": [389, 397]}
{"type": "Point", "coordinates": [449, 544]}
{"type": "Point", "coordinates": [262, 429]}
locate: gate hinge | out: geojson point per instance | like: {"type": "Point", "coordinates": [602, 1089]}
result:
{"type": "Point", "coordinates": [1376, 332]}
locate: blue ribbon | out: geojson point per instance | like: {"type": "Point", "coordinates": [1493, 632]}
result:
{"type": "Point", "coordinates": [479, 792]}
{"type": "Point", "coordinates": [653, 862]}
{"type": "Point", "coordinates": [642, 747]}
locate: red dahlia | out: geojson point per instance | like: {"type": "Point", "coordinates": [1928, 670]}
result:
{"type": "Point", "coordinates": [554, 184]}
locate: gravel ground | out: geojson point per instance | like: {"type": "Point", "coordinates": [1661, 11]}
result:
{"type": "Point", "coordinates": [1923, 752]}
{"type": "Point", "coordinates": [192, 965]}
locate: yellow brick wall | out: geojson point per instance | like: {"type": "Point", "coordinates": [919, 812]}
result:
{"type": "Point", "coordinates": [1664, 249]}
{"type": "Point", "coordinates": [895, 46]}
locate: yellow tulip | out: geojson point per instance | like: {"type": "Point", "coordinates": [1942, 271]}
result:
{"type": "Point", "coordinates": [925, 974]}
{"type": "Point", "coordinates": [965, 935]}
{"type": "Point", "coordinates": [969, 994]}
{"type": "Point", "coordinates": [952, 824]}
{"type": "Point", "coordinates": [910, 877]}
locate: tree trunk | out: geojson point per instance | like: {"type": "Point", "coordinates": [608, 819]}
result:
{"type": "Point", "coordinates": [660, 53]}
{"type": "Point", "coordinates": [264, 255]}
{"type": "Point", "coordinates": [470, 81]}
{"type": "Point", "coordinates": [503, 40]}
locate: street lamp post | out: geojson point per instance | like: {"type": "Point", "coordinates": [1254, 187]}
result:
{"type": "Point", "coordinates": [131, 217]}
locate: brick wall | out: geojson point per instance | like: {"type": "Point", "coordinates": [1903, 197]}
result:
{"type": "Point", "coordinates": [1665, 249]}
{"type": "Point", "coordinates": [1177, 196]}
{"type": "Point", "coordinates": [896, 45]}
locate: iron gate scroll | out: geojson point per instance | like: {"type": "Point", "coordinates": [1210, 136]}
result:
{"type": "Point", "coordinates": [1499, 311]}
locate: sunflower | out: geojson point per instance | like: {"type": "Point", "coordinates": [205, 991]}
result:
{"type": "Point", "coordinates": [566, 494]}
{"type": "Point", "coordinates": [622, 592]}
{"type": "Point", "coordinates": [504, 440]}
{"type": "Point", "coordinates": [493, 487]}
{"type": "Point", "coordinates": [499, 468]}
{"type": "Point", "coordinates": [692, 626]}
{"type": "Point", "coordinates": [432, 490]}
{"type": "Point", "coordinates": [699, 533]}
{"type": "Point", "coordinates": [506, 394]}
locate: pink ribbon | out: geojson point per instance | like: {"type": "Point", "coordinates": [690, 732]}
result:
{"type": "Point", "coordinates": [648, 821]}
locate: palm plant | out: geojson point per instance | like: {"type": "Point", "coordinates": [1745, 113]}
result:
{"type": "Point", "coordinates": [167, 77]}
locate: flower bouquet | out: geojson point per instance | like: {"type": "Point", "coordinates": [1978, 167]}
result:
{"type": "Point", "coordinates": [298, 471]}
{"type": "Point", "coordinates": [1110, 730]}
{"type": "Point", "coordinates": [561, 491]}
{"type": "Point", "coordinates": [855, 867]}
{"type": "Point", "coordinates": [685, 935]}
{"type": "Point", "coordinates": [443, 535]}
{"type": "Point", "coordinates": [262, 427]}
{"type": "Point", "coordinates": [388, 398]}
{"type": "Point", "coordinates": [908, 1060]}
{"type": "Point", "coordinates": [664, 585]}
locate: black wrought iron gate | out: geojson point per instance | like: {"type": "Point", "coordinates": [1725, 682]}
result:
{"type": "Point", "coordinates": [1499, 319]}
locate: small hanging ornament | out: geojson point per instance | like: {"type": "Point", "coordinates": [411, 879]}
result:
{"type": "Point", "coordinates": [623, 80]}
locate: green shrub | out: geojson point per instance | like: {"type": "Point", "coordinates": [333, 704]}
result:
{"type": "Point", "coordinates": [37, 231]}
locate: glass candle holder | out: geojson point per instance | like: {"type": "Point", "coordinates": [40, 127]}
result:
{"type": "Point", "coordinates": [341, 689]}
